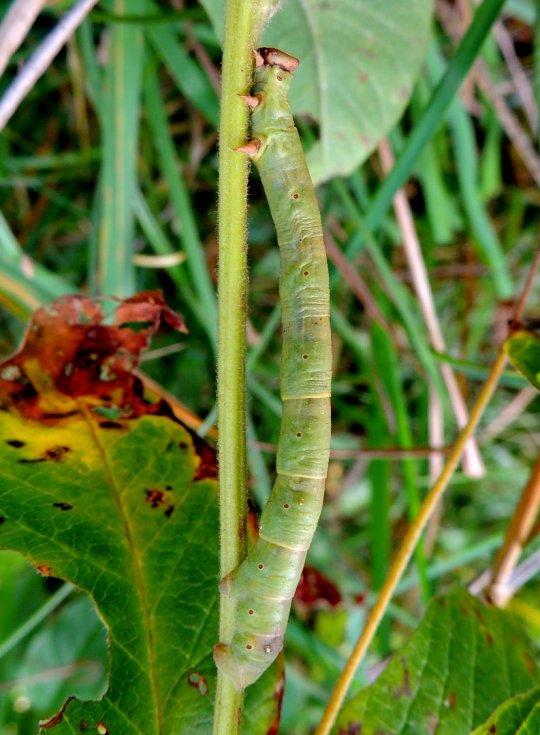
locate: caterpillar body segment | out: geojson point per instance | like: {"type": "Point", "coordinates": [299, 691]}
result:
{"type": "Point", "coordinates": [265, 582]}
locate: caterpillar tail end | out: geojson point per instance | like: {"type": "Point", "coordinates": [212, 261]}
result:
{"type": "Point", "coordinates": [268, 56]}
{"type": "Point", "coordinates": [247, 657]}
{"type": "Point", "coordinates": [241, 673]}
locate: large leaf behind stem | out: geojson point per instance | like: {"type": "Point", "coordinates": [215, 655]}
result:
{"type": "Point", "coordinates": [359, 60]}
{"type": "Point", "coordinates": [103, 487]}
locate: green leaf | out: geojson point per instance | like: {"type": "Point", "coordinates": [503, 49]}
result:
{"type": "Point", "coordinates": [359, 60]}
{"type": "Point", "coordinates": [124, 508]}
{"type": "Point", "coordinates": [523, 350]}
{"type": "Point", "coordinates": [461, 663]}
{"type": "Point", "coordinates": [520, 714]}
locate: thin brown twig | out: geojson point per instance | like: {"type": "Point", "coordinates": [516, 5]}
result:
{"type": "Point", "coordinates": [521, 302]}
{"type": "Point", "coordinates": [435, 431]}
{"type": "Point", "coordinates": [436, 461]}
{"type": "Point", "coordinates": [509, 414]}
{"type": "Point", "coordinates": [520, 81]}
{"type": "Point", "coordinates": [516, 536]}
{"type": "Point", "coordinates": [180, 410]}
{"type": "Point", "coordinates": [522, 522]}
{"type": "Point", "coordinates": [510, 123]}
{"type": "Point", "coordinates": [527, 570]}
{"type": "Point", "coordinates": [15, 26]}
{"type": "Point", "coordinates": [354, 281]}
{"type": "Point", "coordinates": [204, 59]}
{"type": "Point", "coordinates": [90, 668]}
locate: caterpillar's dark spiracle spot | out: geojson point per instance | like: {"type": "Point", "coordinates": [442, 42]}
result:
{"type": "Point", "coordinates": [267, 579]}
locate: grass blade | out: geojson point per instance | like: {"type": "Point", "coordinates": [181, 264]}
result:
{"type": "Point", "coordinates": [188, 76]}
{"type": "Point", "coordinates": [116, 272]}
{"type": "Point", "coordinates": [191, 241]}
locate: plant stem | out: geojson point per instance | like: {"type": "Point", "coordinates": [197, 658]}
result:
{"type": "Point", "coordinates": [517, 534]}
{"type": "Point", "coordinates": [243, 23]}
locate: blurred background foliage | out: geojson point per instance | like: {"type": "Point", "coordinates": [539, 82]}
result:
{"type": "Point", "coordinates": [67, 224]}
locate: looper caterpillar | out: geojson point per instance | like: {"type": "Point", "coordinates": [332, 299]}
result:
{"type": "Point", "coordinates": [264, 583]}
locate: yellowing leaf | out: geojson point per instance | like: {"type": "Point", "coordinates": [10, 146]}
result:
{"type": "Point", "coordinates": [102, 486]}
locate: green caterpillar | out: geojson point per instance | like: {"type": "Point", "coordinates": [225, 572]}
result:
{"type": "Point", "coordinates": [264, 584]}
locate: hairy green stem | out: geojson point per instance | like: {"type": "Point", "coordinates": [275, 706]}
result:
{"type": "Point", "coordinates": [264, 584]}
{"type": "Point", "coordinates": [243, 23]}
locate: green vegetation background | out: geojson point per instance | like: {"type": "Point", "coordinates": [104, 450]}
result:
{"type": "Point", "coordinates": [476, 207]}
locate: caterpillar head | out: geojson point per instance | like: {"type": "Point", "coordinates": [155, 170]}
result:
{"type": "Point", "coordinates": [267, 56]}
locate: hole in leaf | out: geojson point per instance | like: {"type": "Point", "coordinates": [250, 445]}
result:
{"type": "Point", "coordinates": [198, 681]}
{"type": "Point", "coordinates": [136, 326]}
{"type": "Point", "coordinates": [55, 454]}
{"type": "Point", "coordinates": [110, 425]}
{"type": "Point", "coordinates": [154, 497]}
{"type": "Point", "coordinates": [62, 506]}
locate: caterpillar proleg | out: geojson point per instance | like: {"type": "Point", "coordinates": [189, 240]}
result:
{"type": "Point", "coordinates": [264, 583]}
